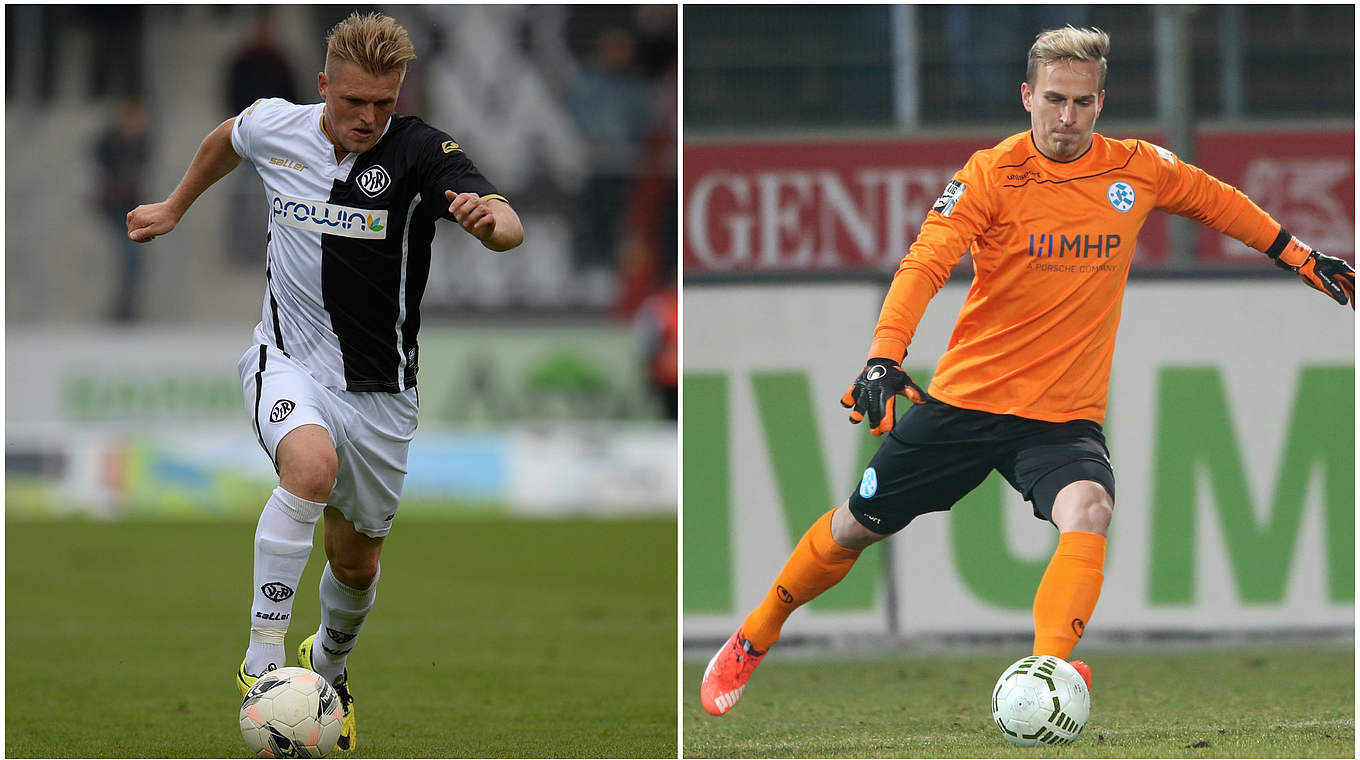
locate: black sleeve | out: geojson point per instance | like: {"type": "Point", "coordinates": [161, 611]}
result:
{"type": "Point", "coordinates": [449, 168]}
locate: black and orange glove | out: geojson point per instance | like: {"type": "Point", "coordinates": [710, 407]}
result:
{"type": "Point", "coordinates": [1328, 274]}
{"type": "Point", "coordinates": [873, 392]}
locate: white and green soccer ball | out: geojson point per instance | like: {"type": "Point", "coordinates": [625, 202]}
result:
{"type": "Point", "coordinates": [291, 712]}
{"type": "Point", "coordinates": [1040, 700]}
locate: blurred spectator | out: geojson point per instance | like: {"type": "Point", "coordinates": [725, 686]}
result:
{"type": "Point", "coordinates": [649, 248]}
{"type": "Point", "coordinates": [658, 38]}
{"type": "Point", "coordinates": [612, 106]}
{"type": "Point", "coordinates": [980, 40]}
{"type": "Point", "coordinates": [260, 69]}
{"type": "Point", "coordinates": [658, 328]}
{"type": "Point", "coordinates": [114, 31]}
{"type": "Point", "coordinates": [121, 153]}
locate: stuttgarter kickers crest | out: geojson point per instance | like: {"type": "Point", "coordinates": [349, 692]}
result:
{"type": "Point", "coordinates": [1121, 196]}
{"type": "Point", "coordinates": [868, 485]}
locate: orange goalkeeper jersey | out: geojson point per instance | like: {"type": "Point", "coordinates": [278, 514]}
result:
{"type": "Point", "coordinates": [1051, 243]}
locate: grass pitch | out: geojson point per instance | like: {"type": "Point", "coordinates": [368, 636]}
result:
{"type": "Point", "coordinates": [489, 638]}
{"type": "Point", "coordinates": [1190, 703]}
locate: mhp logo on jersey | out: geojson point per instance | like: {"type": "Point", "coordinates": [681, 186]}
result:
{"type": "Point", "coordinates": [329, 218]}
{"type": "Point", "coordinates": [1120, 195]}
{"type": "Point", "coordinates": [373, 181]}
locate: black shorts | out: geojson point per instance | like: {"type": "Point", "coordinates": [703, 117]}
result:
{"type": "Point", "coordinates": [937, 453]}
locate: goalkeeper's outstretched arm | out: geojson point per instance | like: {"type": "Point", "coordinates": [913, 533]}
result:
{"type": "Point", "coordinates": [214, 160]}
{"type": "Point", "coordinates": [1191, 192]}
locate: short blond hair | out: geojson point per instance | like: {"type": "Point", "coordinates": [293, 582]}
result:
{"type": "Point", "coordinates": [376, 42]}
{"type": "Point", "coordinates": [1068, 44]}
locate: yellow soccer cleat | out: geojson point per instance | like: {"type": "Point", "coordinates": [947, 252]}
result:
{"type": "Point", "coordinates": [349, 728]}
{"type": "Point", "coordinates": [244, 680]}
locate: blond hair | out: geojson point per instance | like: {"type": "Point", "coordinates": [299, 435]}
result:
{"type": "Point", "coordinates": [1068, 44]}
{"type": "Point", "coordinates": [376, 42]}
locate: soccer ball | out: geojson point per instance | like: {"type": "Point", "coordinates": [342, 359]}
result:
{"type": "Point", "coordinates": [1040, 700]}
{"type": "Point", "coordinates": [291, 712]}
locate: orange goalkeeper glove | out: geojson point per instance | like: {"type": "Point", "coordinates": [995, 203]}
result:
{"type": "Point", "coordinates": [1328, 274]}
{"type": "Point", "coordinates": [873, 392]}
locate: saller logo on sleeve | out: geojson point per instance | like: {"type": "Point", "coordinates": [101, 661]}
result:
{"type": "Point", "coordinates": [952, 192]}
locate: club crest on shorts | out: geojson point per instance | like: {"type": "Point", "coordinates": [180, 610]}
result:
{"type": "Point", "coordinates": [868, 485]}
{"type": "Point", "coordinates": [1121, 196]}
{"type": "Point", "coordinates": [282, 408]}
{"type": "Point", "coordinates": [373, 181]}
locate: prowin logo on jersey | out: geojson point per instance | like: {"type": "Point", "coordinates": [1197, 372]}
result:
{"type": "Point", "coordinates": [329, 218]}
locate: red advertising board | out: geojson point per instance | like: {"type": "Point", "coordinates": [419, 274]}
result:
{"type": "Point", "coordinates": [856, 205]}
{"type": "Point", "coordinates": [1305, 179]}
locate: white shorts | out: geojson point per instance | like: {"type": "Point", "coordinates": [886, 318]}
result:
{"type": "Point", "coordinates": [371, 432]}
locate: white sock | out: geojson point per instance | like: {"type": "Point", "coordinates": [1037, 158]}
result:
{"type": "Point", "coordinates": [343, 610]}
{"type": "Point", "coordinates": [283, 541]}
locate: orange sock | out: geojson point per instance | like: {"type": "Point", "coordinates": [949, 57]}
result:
{"type": "Point", "coordinates": [817, 564]}
{"type": "Point", "coordinates": [1068, 592]}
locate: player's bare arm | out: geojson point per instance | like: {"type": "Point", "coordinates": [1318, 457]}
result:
{"type": "Point", "coordinates": [490, 220]}
{"type": "Point", "coordinates": [214, 160]}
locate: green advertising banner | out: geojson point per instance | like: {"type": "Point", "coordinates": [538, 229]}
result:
{"type": "Point", "coordinates": [1233, 450]}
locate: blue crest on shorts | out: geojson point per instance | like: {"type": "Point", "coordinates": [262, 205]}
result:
{"type": "Point", "coordinates": [1121, 196]}
{"type": "Point", "coordinates": [868, 485]}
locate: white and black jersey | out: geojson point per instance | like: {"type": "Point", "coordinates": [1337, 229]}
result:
{"type": "Point", "coordinates": [349, 242]}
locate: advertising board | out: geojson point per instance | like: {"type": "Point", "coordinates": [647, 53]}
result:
{"type": "Point", "coordinates": [839, 205]}
{"type": "Point", "coordinates": [1231, 428]}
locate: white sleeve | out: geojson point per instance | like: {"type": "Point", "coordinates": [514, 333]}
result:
{"type": "Point", "coordinates": [243, 130]}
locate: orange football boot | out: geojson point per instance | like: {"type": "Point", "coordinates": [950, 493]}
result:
{"type": "Point", "coordinates": [727, 673]}
{"type": "Point", "coordinates": [1084, 670]}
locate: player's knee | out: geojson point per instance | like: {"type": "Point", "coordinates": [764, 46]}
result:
{"type": "Point", "coordinates": [312, 480]}
{"type": "Point", "coordinates": [1085, 506]}
{"type": "Point", "coordinates": [847, 531]}
{"type": "Point", "coordinates": [307, 463]}
{"type": "Point", "coordinates": [357, 572]}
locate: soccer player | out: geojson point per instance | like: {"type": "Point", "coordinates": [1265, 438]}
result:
{"type": "Point", "coordinates": [1051, 216]}
{"type": "Point", "coordinates": [354, 192]}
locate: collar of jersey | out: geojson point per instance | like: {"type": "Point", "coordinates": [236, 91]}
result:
{"type": "Point", "coordinates": [1065, 168]}
{"type": "Point", "coordinates": [321, 130]}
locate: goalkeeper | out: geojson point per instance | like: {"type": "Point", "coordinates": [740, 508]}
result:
{"type": "Point", "coordinates": [1051, 216]}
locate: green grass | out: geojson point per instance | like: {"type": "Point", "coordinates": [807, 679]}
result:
{"type": "Point", "coordinates": [1204, 703]}
{"type": "Point", "coordinates": [490, 638]}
